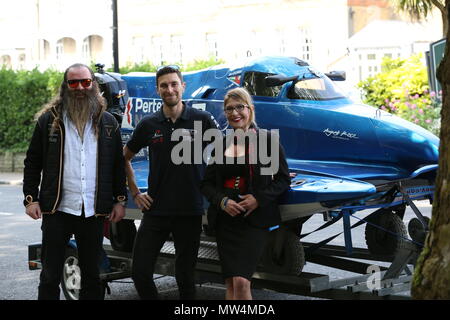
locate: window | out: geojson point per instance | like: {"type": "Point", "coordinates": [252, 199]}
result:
{"type": "Point", "coordinates": [86, 49]}
{"type": "Point", "coordinates": [176, 49]}
{"type": "Point", "coordinates": [22, 59]}
{"type": "Point", "coordinates": [252, 43]}
{"type": "Point", "coordinates": [65, 47]}
{"type": "Point", "coordinates": [44, 49]}
{"type": "Point", "coordinates": [59, 50]}
{"type": "Point", "coordinates": [255, 83]}
{"type": "Point", "coordinates": [281, 38]}
{"type": "Point", "coordinates": [212, 45]}
{"type": "Point", "coordinates": [5, 61]}
{"type": "Point", "coordinates": [371, 56]}
{"type": "Point", "coordinates": [157, 50]}
{"type": "Point", "coordinates": [139, 49]}
{"type": "Point", "coordinates": [306, 40]}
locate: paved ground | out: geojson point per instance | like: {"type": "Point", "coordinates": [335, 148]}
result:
{"type": "Point", "coordinates": [14, 178]}
{"type": "Point", "coordinates": [17, 282]}
{"type": "Point", "coordinates": [17, 231]}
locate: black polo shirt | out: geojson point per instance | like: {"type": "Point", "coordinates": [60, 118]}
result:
{"type": "Point", "coordinates": [174, 188]}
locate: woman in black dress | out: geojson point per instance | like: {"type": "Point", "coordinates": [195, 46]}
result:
{"type": "Point", "coordinates": [242, 194]}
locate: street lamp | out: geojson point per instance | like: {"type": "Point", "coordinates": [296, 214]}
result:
{"type": "Point", "coordinates": [115, 37]}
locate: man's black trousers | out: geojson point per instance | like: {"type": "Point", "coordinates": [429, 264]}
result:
{"type": "Point", "coordinates": [152, 233]}
{"type": "Point", "coordinates": [57, 229]}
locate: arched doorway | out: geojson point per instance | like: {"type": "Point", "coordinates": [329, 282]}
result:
{"type": "Point", "coordinates": [65, 48]}
{"type": "Point", "coordinates": [92, 48]}
{"type": "Point", "coordinates": [5, 61]}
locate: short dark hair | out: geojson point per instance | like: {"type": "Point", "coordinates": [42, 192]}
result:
{"type": "Point", "coordinates": [166, 70]}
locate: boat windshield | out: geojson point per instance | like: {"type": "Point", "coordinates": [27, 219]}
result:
{"type": "Point", "coordinates": [313, 85]}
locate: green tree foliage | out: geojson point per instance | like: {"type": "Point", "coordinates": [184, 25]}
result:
{"type": "Point", "coordinates": [137, 67]}
{"type": "Point", "coordinates": [201, 64]}
{"type": "Point", "coordinates": [150, 67]}
{"type": "Point", "coordinates": [23, 94]}
{"type": "Point", "coordinates": [401, 88]}
{"type": "Point", "coordinates": [421, 9]}
{"type": "Point", "coordinates": [418, 9]}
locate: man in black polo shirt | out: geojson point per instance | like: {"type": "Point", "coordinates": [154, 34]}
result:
{"type": "Point", "coordinates": [173, 202]}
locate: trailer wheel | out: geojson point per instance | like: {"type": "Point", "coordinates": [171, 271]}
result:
{"type": "Point", "coordinates": [71, 279]}
{"type": "Point", "coordinates": [292, 259]}
{"type": "Point", "coordinates": [382, 242]}
{"type": "Point", "coordinates": [122, 235]}
{"type": "Point", "coordinates": [417, 231]}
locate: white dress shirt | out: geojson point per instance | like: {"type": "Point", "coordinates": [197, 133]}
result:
{"type": "Point", "coordinates": [80, 170]}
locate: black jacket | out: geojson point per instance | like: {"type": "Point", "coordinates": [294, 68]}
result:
{"type": "Point", "coordinates": [45, 159]}
{"type": "Point", "coordinates": [265, 188]}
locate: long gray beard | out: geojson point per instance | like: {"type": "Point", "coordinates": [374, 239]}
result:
{"type": "Point", "coordinates": [81, 110]}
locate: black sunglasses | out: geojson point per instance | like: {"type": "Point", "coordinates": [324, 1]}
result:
{"type": "Point", "coordinates": [238, 108]}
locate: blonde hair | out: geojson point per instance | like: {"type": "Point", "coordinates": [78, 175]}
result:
{"type": "Point", "coordinates": [241, 94]}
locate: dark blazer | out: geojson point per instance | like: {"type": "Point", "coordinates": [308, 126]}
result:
{"type": "Point", "coordinates": [265, 188]}
{"type": "Point", "coordinates": [44, 163]}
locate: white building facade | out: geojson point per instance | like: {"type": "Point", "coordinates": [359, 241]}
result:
{"type": "Point", "coordinates": [57, 33]}
{"type": "Point", "coordinates": [183, 31]}
{"type": "Point", "coordinates": [393, 39]}
{"type": "Point", "coordinates": [54, 33]}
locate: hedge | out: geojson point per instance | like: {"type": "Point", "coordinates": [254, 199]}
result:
{"type": "Point", "coordinates": [401, 88]}
{"type": "Point", "coordinates": [23, 94]}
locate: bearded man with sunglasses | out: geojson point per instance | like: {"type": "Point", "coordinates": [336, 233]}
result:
{"type": "Point", "coordinates": [74, 177]}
